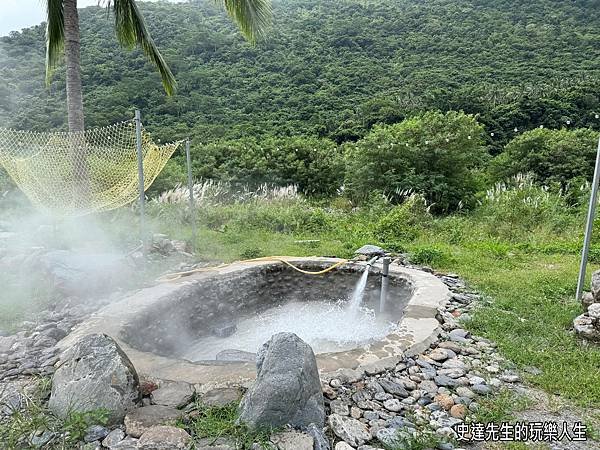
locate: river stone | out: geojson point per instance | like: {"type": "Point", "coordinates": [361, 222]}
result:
{"type": "Point", "coordinates": [287, 388]}
{"type": "Point", "coordinates": [221, 397]}
{"type": "Point", "coordinates": [138, 421]}
{"type": "Point", "coordinates": [95, 373]}
{"type": "Point", "coordinates": [6, 343]}
{"type": "Point", "coordinates": [596, 285]}
{"type": "Point", "coordinates": [113, 438]}
{"type": "Point", "coordinates": [393, 388]}
{"type": "Point", "coordinates": [320, 441]}
{"type": "Point", "coordinates": [175, 394]}
{"type": "Point", "coordinates": [343, 446]}
{"type": "Point", "coordinates": [350, 430]}
{"type": "Point", "coordinates": [163, 437]}
{"type": "Point", "coordinates": [594, 311]}
{"type": "Point", "coordinates": [292, 440]}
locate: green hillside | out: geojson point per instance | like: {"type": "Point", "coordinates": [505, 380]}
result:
{"type": "Point", "coordinates": [330, 68]}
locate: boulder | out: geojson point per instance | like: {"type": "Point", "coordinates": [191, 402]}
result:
{"type": "Point", "coordinates": [175, 394]}
{"type": "Point", "coordinates": [287, 388]}
{"type": "Point", "coordinates": [164, 438]}
{"type": "Point", "coordinates": [95, 373]}
{"type": "Point", "coordinates": [85, 274]}
{"type": "Point", "coordinates": [138, 421]}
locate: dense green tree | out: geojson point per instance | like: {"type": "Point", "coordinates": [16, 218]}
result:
{"type": "Point", "coordinates": [552, 156]}
{"type": "Point", "coordinates": [315, 165]}
{"type": "Point", "coordinates": [433, 154]}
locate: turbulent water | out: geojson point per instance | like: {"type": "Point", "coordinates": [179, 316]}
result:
{"type": "Point", "coordinates": [359, 292]}
{"type": "Point", "coordinates": [325, 326]}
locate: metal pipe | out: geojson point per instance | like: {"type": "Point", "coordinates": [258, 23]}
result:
{"type": "Point", "coordinates": [140, 163]}
{"type": "Point", "coordinates": [385, 270]}
{"type": "Point", "coordinates": [191, 189]}
{"type": "Point", "coordinates": [588, 228]}
{"type": "Point", "coordinates": [372, 260]}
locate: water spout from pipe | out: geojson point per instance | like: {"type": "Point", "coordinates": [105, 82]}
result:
{"type": "Point", "coordinates": [359, 290]}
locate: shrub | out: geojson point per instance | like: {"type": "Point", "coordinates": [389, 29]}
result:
{"type": "Point", "coordinates": [435, 154]}
{"type": "Point", "coordinates": [518, 206]}
{"type": "Point", "coordinates": [404, 221]}
{"type": "Point", "coordinates": [551, 156]}
{"type": "Point", "coordinates": [429, 255]}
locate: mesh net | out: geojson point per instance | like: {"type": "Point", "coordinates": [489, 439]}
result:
{"type": "Point", "coordinates": [73, 174]}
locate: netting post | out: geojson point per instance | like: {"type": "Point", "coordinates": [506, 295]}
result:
{"type": "Point", "coordinates": [140, 163]}
{"type": "Point", "coordinates": [188, 159]}
{"type": "Point", "coordinates": [589, 225]}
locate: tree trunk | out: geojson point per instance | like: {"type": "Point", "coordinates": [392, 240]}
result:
{"type": "Point", "coordinates": [73, 61]}
{"type": "Point", "coordinates": [81, 183]}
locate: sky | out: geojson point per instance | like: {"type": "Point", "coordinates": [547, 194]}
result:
{"type": "Point", "coordinates": [18, 14]}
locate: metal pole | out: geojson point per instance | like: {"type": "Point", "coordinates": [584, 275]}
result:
{"type": "Point", "coordinates": [589, 225]}
{"type": "Point", "coordinates": [385, 279]}
{"type": "Point", "coordinates": [140, 163]}
{"type": "Point", "coordinates": [191, 189]}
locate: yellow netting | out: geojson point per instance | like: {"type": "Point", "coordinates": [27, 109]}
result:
{"type": "Point", "coordinates": [72, 174]}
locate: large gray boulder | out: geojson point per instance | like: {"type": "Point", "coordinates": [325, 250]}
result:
{"type": "Point", "coordinates": [95, 373]}
{"type": "Point", "coordinates": [83, 274]}
{"type": "Point", "coordinates": [287, 388]}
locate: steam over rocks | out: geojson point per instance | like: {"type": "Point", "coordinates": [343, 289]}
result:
{"type": "Point", "coordinates": [287, 388]}
{"type": "Point", "coordinates": [94, 374]}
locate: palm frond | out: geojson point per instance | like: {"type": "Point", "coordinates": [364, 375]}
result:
{"type": "Point", "coordinates": [253, 17]}
{"type": "Point", "coordinates": [131, 30]}
{"type": "Point", "coordinates": [55, 35]}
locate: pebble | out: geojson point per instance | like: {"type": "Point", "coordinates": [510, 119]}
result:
{"type": "Point", "coordinates": [393, 405]}
{"type": "Point", "coordinates": [444, 400]}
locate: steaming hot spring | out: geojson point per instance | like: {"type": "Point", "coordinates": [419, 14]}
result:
{"type": "Point", "coordinates": [207, 327]}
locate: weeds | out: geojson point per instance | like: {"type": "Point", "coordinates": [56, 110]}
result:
{"type": "Point", "coordinates": [213, 423]}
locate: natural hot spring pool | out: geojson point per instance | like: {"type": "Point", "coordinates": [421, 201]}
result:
{"type": "Point", "coordinates": [243, 310]}
{"type": "Point", "coordinates": [204, 328]}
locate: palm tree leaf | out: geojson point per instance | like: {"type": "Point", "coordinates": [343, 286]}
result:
{"type": "Point", "coordinates": [131, 30]}
{"type": "Point", "coordinates": [252, 16]}
{"type": "Point", "coordinates": [55, 35]}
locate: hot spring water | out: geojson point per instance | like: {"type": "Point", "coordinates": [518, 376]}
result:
{"type": "Point", "coordinates": [326, 326]}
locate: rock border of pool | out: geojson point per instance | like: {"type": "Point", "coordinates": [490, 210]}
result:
{"type": "Point", "coordinates": [417, 329]}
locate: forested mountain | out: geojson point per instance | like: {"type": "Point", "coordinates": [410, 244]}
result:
{"type": "Point", "coordinates": [330, 68]}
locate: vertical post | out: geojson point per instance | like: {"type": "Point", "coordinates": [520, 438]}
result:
{"type": "Point", "coordinates": [589, 225]}
{"type": "Point", "coordinates": [191, 189]}
{"type": "Point", "coordinates": [140, 162]}
{"type": "Point", "coordinates": [385, 279]}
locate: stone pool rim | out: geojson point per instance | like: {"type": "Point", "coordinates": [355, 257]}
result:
{"type": "Point", "coordinates": [417, 329]}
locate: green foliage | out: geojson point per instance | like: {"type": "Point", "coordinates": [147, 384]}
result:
{"type": "Point", "coordinates": [434, 154]}
{"type": "Point", "coordinates": [328, 68]}
{"type": "Point", "coordinates": [217, 422]}
{"type": "Point", "coordinates": [404, 221]}
{"type": "Point", "coordinates": [173, 174]}
{"type": "Point", "coordinates": [17, 428]}
{"type": "Point", "coordinates": [314, 165]}
{"type": "Point", "coordinates": [500, 407]}
{"type": "Point", "coordinates": [559, 157]}
{"type": "Point", "coordinates": [513, 209]}
{"type": "Point", "coordinates": [429, 255]}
